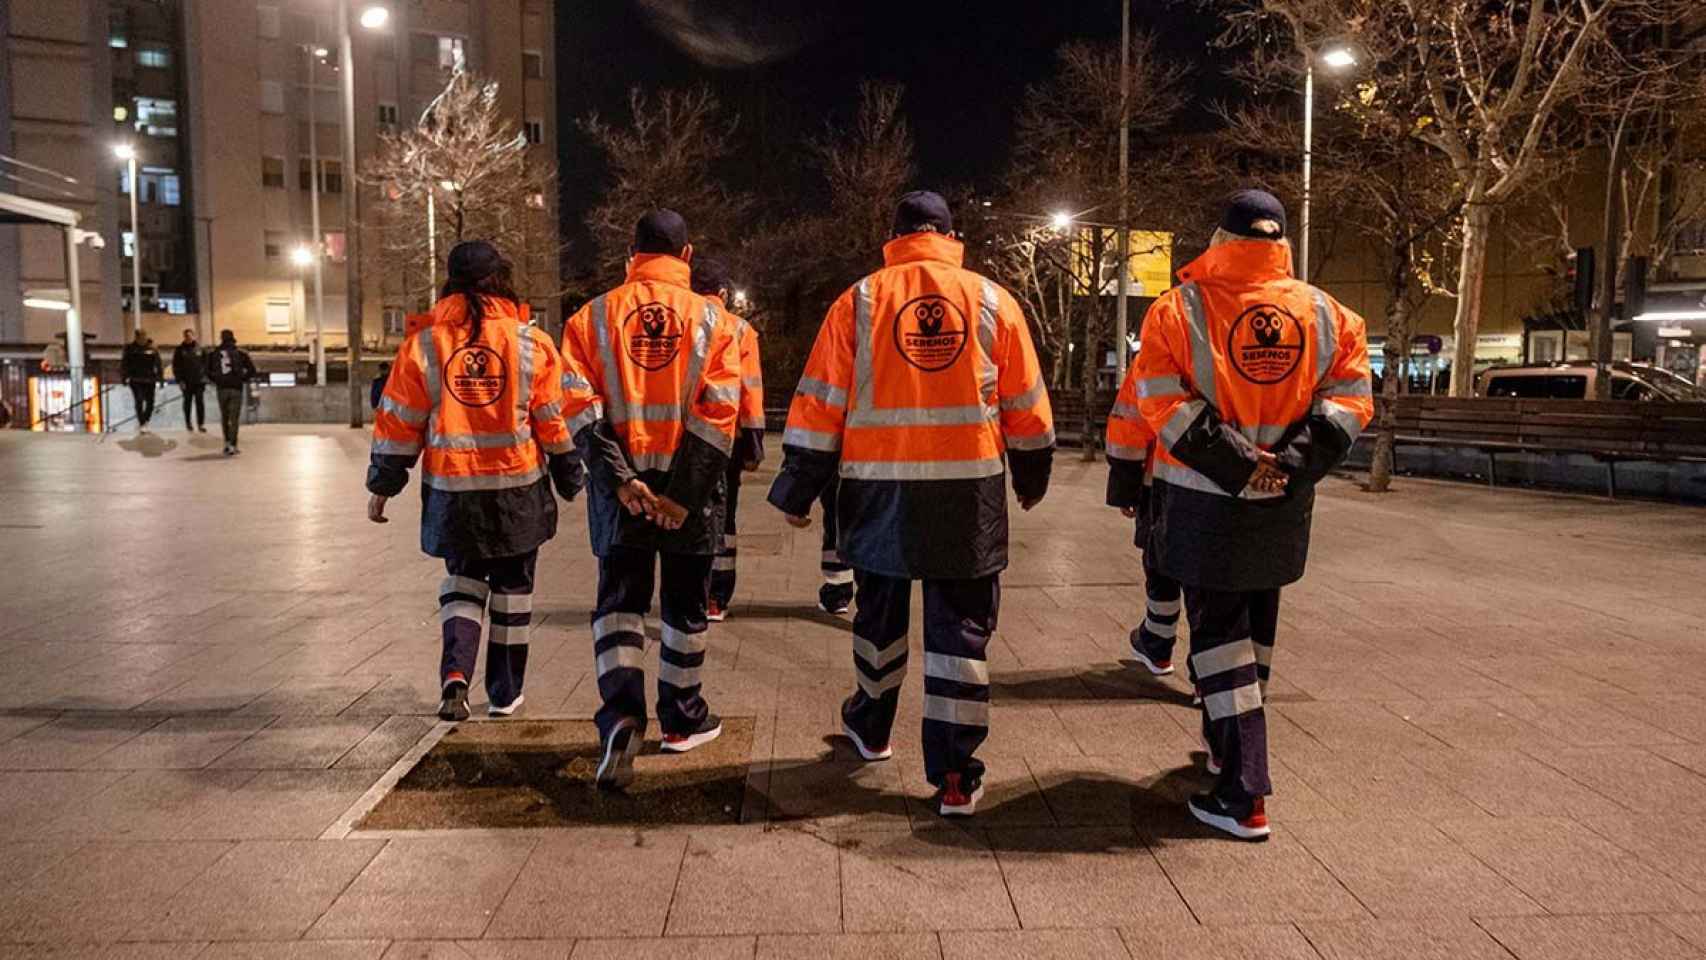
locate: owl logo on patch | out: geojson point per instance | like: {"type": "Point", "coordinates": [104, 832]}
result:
{"type": "Point", "coordinates": [930, 332]}
{"type": "Point", "coordinates": [1265, 344]}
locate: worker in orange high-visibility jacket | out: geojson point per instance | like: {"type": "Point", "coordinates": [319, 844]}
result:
{"type": "Point", "coordinates": [652, 396]}
{"type": "Point", "coordinates": [477, 398]}
{"type": "Point", "coordinates": [922, 394]}
{"type": "Point", "coordinates": [1256, 385]}
{"type": "Point", "coordinates": [711, 280]}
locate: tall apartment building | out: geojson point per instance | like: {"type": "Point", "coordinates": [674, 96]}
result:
{"type": "Point", "coordinates": [253, 79]}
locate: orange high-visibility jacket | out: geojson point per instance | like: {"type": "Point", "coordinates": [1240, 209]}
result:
{"type": "Point", "coordinates": [750, 445]}
{"type": "Point", "coordinates": [1242, 357]}
{"type": "Point", "coordinates": [922, 390]}
{"type": "Point", "coordinates": [481, 417]}
{"type": "Point", "coordinates": [652, 389]}
{"type": "Point", "coordinates": [1130, 442]}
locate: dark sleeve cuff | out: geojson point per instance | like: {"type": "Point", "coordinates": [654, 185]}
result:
{"type": "Point", "coordinates": [567, 475]}
{"type": "Point", "coordinates": [696, 470]}
{"type": "Point", "coordinates": [1218, 452]}
{"type": "Point", "coordinates": [606, 464]}
{"type": "Point", "coordinates": [1311, 449]}
{"type": "Point", "coordinates": [387, 475]}
{"type": "Point", "coordinates": [804, 475]}
{"type": "Point", "coordinates": [749, 446]}
{"type": "Point", "coordinates": [1125, 482]}
{"type": "Point", "coordinates": [1030, 470]}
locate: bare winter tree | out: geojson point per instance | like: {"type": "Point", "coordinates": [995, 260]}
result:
{"type": "Point", "coordinates": [484, 182]}
{"type": "Point", "coordinates": [868, 165]}
{"type": "Point", "coordinates": [670, 153]}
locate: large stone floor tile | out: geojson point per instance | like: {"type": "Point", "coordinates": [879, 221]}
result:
{"type": "Point", "coordinates": [296, 950]}
{"type": "Point", "coordinates": [1505, 783]}
{"type": "Point", "coordinates": [149, 805]}
{"type": "Point", "coordinates": [72, 741]}
{"type": "Point", "coordinates": [564, 888]}
{"type": "Point", "coordinates": [1568, 869]}
{"type": "Point", "coordinates": [933, 879]}
{"type": "Point", "coordinates": [268, 890]}
{"type": "Point", "coordinates": [31, 799]}
{"type": "Point", "coordinates": [748, 880]}
{"type": "Point", "coordinates": [836, 794]}
{"type": "Point", "coordinates": [298, 743]}
{"type": "Point", "coordinates": [1084, 878]}
{"type": "Point", "coordinates": [665, 948]}
{"type": "Point", "coordinates": [279, 804]}
{"type": "Point", "coordinates": [1589, 938]}
{"type": "Point", "coordinates": [424, 889]}
{"type": "Point", "coordinates": [1434, 938]}
{"type": "Point", "coordinates": [176, 950]}
{"type": "Point", "coordinates": [1229, 882]}
{"type": "Point", "coordinates": [181, 743]}
{"type": "Point", "coordinates": [104, 890]}
{"type": "Point", "coordinates": [1104, 944]}
{"type": "Point", "coordinates": [1214, 942]}
{"type": "Point", "coordinates": [1633, 777]}
{"type": "Point", "coordinates": [387, 743]}
{"type": "Point", "coordinates": [851, 946]}
{"type": "Point", "coordinates": [1675, 845]}
{"type": "Point", "coordinates": [1400, 868]}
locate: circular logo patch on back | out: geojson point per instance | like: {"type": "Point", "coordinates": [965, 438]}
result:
{"type": "Point", "coordinates": [1265, 344]}
{"type": "Point", "coordinates": [475, 375]}
{"type": "Point", "coordinates": [930, 332]}
{"type": "Point", "coordinates": [651, 333]}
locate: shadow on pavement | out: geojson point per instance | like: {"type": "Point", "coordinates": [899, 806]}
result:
{"type": "Point", "coordinates": [787, 611]}
{"type": "Point", "coordinates": [150, 445]}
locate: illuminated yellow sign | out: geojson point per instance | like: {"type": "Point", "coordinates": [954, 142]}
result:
{"type": "Point", "coordinates": [1150, 265]}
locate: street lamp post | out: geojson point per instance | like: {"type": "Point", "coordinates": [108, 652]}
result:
{"type": "Point", "coordinates": [1124, 244]}
{"type": "Point", "coordinates": [1338, 58]}
{"type": "Point", "coordinates": [127, 153]}
{"type": "Point", "coordinates": [315, 53]}
{"type": "Point", "coordinates": [373, 17]}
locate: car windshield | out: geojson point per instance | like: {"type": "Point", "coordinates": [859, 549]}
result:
{"type": "Point", "coordinates": [1669, 385]}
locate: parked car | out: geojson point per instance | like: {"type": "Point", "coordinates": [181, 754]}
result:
{"type": "Point", "coordinates": [1576, 379]}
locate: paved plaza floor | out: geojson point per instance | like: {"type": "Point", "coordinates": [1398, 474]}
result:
{"type": "Point", "coordinates": [1488, 723]}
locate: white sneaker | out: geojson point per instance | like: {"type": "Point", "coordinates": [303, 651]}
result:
{"type": "Point", "coordinates": [1159, 669]}
{"type": "Point", "coordinates": [870, 756]}
{"type": "Point", "coordinates": [709, 730]}
{"type": "Point", "coordinates": [493, 710]}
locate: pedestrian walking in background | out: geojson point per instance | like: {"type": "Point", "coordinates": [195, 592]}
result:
{"type": "Point", "coordinates": [1255, 384]}
{"type": "Point", "coordinates": [189, 368]}
{"type": "Point", "coordinates": [140, 366]}
{"type": "Point", "coordinates": [711, 281]}
{"type": "Point", "coordinates": [376, 390]}
{"type": "Point", "coordinates": [475, 397]}
{"type": "Point", "coordinates": [230, 370]}
{"type": "Point", "coordinates": [922, 392]}
{"type": "Point", "coordinates": [653, 398]}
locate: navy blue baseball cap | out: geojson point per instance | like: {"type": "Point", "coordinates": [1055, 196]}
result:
{"type": "Point", "coordinates": [660, 231]}
{"type": "Point", "coordinates": [922, 210]}
{"type": "Point", "coordinates": [710, 276]}
{"type": "Point", "coordinates": [1246, 208]}
{"type": "Point", "coordinates": [474, 260]}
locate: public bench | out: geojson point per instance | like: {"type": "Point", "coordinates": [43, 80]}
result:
{"type": "Point", "coordinates": [1611, 432]}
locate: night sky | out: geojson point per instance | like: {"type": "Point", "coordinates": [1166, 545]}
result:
{"type": "Point", "coordinates": [788, 66]}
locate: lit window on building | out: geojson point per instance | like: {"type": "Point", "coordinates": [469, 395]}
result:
{"type": "Point", "coordinates": [129, 244]}
{"type": "Point", "coordinates": [120, 114]}
{"type": "Point", "coordinates": [174, 303]}
{"type": "Point", "coordinates": [153, 57]}
{"type": "Point", "coordinates": [447, 52]}
{"type": "Point", "coordinates": [118, 41]}
{"type": "Point", "coordinates": [124, 180]}
{"type": "Point", "coordinates": [535, 130]}
{"type": "Point", "coordinates": [157, 117]}
{"type": "Point", "coordinates": [171, 190]}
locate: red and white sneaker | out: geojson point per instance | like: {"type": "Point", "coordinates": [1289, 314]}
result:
{"type": "Point", "coordinates": [716, 612]}
{"type": "Point", "coordinates": [709, 730]}
{"type": "Point", "coordinates": [1247, 823]}
{"type": "Point", "coordinates": [870, 755]}
{"type": "Point", "coordinates": [957, 800]}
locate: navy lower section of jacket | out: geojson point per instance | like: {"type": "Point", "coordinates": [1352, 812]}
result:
{"type": "Point", "coordinates": [611, 526]}
{"type": "Point", "coordinates": [487, 523]}
{"type": "Point", "coordinates": [924, 529]}
{"type": "Point", "coordinates": [1216, 542]}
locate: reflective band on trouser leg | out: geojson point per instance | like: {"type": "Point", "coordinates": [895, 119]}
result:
{"type": "Point", "coordinates": [681, 708]}
{"type": "Point", "coordinates": [511, 613]}
{"type": "Point", "coordinates": [1224, 662]}
{"type": "Point", "coordinates": [723, 575]}
{"type": "Point", "coordinates": [1160, 628]}
{"type": "Point", "coordinates": [879, 657]}
{"type": "Point", "coordinates": [461, 608]}
{"type": "Point", "coordinates": [959, 619]}
{"type": "Point", "coordinates": [619, 635]}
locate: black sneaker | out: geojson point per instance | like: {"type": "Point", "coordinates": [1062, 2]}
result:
{"type": "Point", "coordinates": [616, 770]}
{"type": "Point", "coordinates": [835, 598]}
{"type": "Point", "coordinates": [454, 706]}
{"type": "Point", "coordinates": [1246, 821]}
{"type": "Point", "coordinates": [709, 729]}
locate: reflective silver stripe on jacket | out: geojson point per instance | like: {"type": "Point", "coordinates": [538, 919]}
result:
{"type": "Point", "coordinates": [727, 393]}
{"type": "Point", "coordinates": [1202, 349]}
{"type": "Point", "coordinates": [651, 461]}
{"type": "Point", "coordinates": [574, 381]}
{"type": "Point", "coordinates": [547, 411]}
{"type": "Point", "coordinates": [481, 441]}
{"type": "Point", "coordinates": [1165, 386]}
{"type": "Point", "coordinates": [413, 416]}
{"type": "Point", "coordinates": [828, 393]}
{"type": "Point", "coordinates": [1264, 435]}
{"type": "Point", "coordinates": [1039, 442]}
{"type": "Point", "coordinates": [921, 416]}
{"type": "Point", "coordinates": [469, 484]}
{"type": "Point", "coordinates": [863, 375]}
{"type": "Point", "coordinates": [1348, 422]}
{"type": "Point", "coordinates": [696, 363]}
{"type": "Point", "coordinates": [821, 440]}
{"type": "Point", "coordinates": [988, 310]}
{"type": "Point", "coordinates": [1120, 451]}
{"type": "Point", "coordinates": [1350, 387]}
{"type": "Point", "coordinates": [615, 395]}
{"type": "Point", "coordinates": [752, 423]}
{"type": "Point", "coordinates": [654, 412]}
{"type": "Point", "coordinates": [1186, 414]}
{"type": "Point", "coordinates": [594, 412]}
{"type": "Point", "coordinates": [710, 433]}
{"type": "Point", "coordinates": [1326, 345]}
{"type": "Point", "coordinates": [429, 361]}
{"type": "Point", "coordinates": [921, 469]}
{"type": "Point", "coordinates": [1026, 400]}
{"type": "Point", "coordinates": [396, 448]}
{"type": "Point", "coordinates": [524, 347]}
{"type": "Point", "coordinates": [1124, 411]}
{"type": "Point", "coordinates": [754, 384]}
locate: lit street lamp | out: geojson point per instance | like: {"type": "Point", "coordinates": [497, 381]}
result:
{"type": "Point", "coordinates": [373, 17]}
{"type": "Point", "coordinates": [127, 153]}
{"type": "Point", "coordinates": [316, 53]}
{"type": "Point", "coordinates": [1061, 221]}
{"type": "Point", "coordinates": [302, 256]}
{"type": "Point", "coordinates": [1337, 58]}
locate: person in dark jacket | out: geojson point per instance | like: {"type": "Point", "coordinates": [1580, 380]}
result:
{"type": "Point", "coordinates": [376, 391]}
{"type": "Point", "coordinates": [189, 369]}
{"type": "Point", "coordinates": [140, 365]}
{"type": "Point", "coordinates": [230, 369]}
